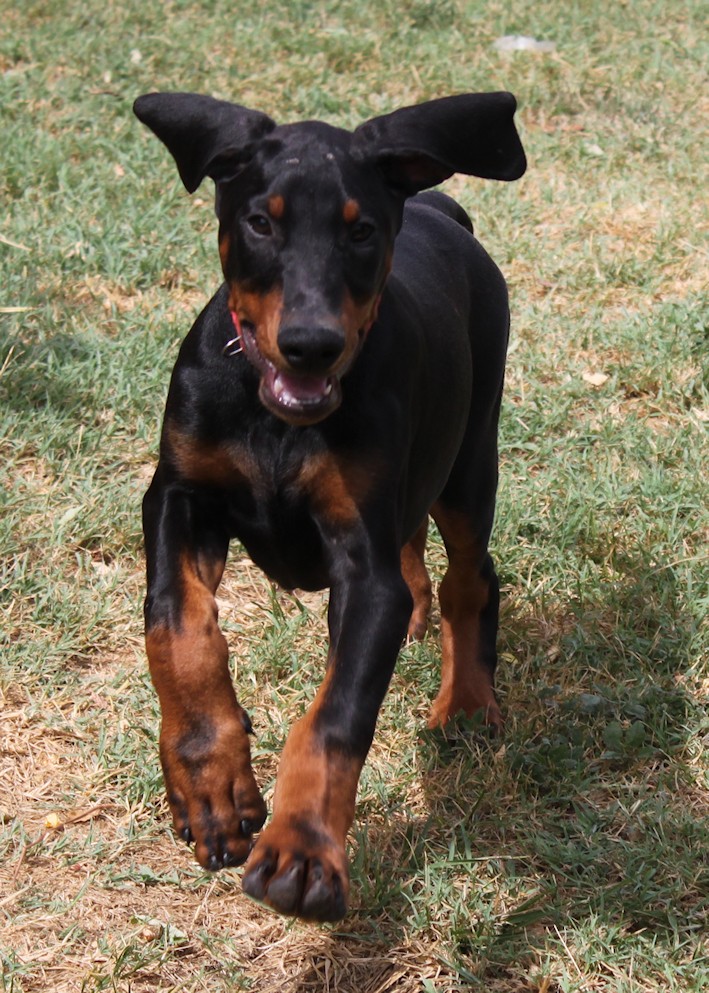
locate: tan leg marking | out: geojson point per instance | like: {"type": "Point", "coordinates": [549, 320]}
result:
{"type": "Point", "coordinates": [413, 569]}
{"type": "Point", "coordinates": [466, 682]}
{"type": "Point", "coordinates": [299, 864]}
{"type": "Point", "coordinates": [204, 746]}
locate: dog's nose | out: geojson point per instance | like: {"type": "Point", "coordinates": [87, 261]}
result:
{"type": "Point", "coordinates": [311, 349]}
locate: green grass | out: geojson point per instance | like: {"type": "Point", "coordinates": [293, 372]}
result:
{"type": "Point", "coordinates": [571, 856]}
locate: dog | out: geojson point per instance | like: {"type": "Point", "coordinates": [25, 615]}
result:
{"type": "Point", "coordinates": [342, 384]}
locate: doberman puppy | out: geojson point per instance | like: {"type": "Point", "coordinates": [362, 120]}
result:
{"type": "Point", "coordinates": [343, 383]}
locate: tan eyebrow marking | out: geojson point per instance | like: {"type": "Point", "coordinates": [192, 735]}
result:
{"type": "Point", "coordinates": [351, 211]}
{"type": "Point", "coordinates": [276, 206]}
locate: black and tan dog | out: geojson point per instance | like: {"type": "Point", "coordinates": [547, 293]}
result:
{"type": "Point", "coordinates": [342, 384]}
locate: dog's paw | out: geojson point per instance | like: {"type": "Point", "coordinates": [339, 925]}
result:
{"type": "Point", "coordinates": [212, 793]}
{"type": "Point", "coordinates": [418, 626]}
{"type": "Point", "coordinates": [221, 829]}
{"type": "Point", "coordinates": [446, 706]}
{"type": "Point", "coordinates": [298, 871]}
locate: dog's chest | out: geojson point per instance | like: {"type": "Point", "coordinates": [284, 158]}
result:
{"type": "Point", "coordinates": [286, 512]}
{"type": "Point", "coordinates": [284, 504]}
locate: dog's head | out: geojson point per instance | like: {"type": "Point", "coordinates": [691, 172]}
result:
{"type": "Point", "coordinates": [308, 215]}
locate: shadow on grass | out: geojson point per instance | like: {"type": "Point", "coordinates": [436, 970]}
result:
{"type": "Point", "coordinates": [586, 816]}
{"type": "Point", "coordinates": [592, 798]}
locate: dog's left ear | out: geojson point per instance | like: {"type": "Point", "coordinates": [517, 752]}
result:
{"type": "Point", "coordinates": [417, 147]}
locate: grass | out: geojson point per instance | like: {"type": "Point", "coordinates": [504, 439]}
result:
{"type": "Point", "coordinates": [572, 855]}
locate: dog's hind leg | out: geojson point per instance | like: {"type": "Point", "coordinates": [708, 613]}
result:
{"type": "Point", "coordinates": [469, 593]}
{"type": "Point", "coordinates": [413, 569]}
{"type": "Point", "coordinates": [469, 600]}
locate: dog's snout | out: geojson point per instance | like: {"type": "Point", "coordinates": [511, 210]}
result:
{"type": "Point", "coordinates": [311, 349]}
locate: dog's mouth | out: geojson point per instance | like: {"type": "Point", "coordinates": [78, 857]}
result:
{"type": "Point", "coordinates": [299, 398]}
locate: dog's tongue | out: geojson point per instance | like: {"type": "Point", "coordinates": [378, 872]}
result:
{"type": "Point", "coordinates": [290, 389]}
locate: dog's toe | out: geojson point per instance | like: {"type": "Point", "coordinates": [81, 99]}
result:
{"type": "Point", "coordinates": [291, 877]}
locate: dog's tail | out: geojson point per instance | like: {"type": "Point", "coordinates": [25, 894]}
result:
{"type": "Point", "coordinates": [446, 205]}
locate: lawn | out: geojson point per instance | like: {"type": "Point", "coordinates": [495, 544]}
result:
{"type": "Point", "coordinates": [571, 855]}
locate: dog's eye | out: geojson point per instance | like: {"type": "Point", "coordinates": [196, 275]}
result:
{"type": "Point", "coordinates": [259, 224]}
{"type": "Point", "coordinates": [362, 231]}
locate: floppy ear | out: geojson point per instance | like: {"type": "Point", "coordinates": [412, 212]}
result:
{"type": "Point", "coordinates": [206, 137]}
{"type": "Point", "coordinates": [420, 146]}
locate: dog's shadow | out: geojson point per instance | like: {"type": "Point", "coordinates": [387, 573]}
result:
{"type": "Point", "coordinates": [572, 801]}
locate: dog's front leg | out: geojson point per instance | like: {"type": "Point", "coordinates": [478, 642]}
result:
{"type": "Point", "coordinates": [298, 865]}
{"type": "Point", "coordinates": [204, 746]}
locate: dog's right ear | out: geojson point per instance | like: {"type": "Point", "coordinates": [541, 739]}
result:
{"type": "Point", "coordinates": [206, 137]}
